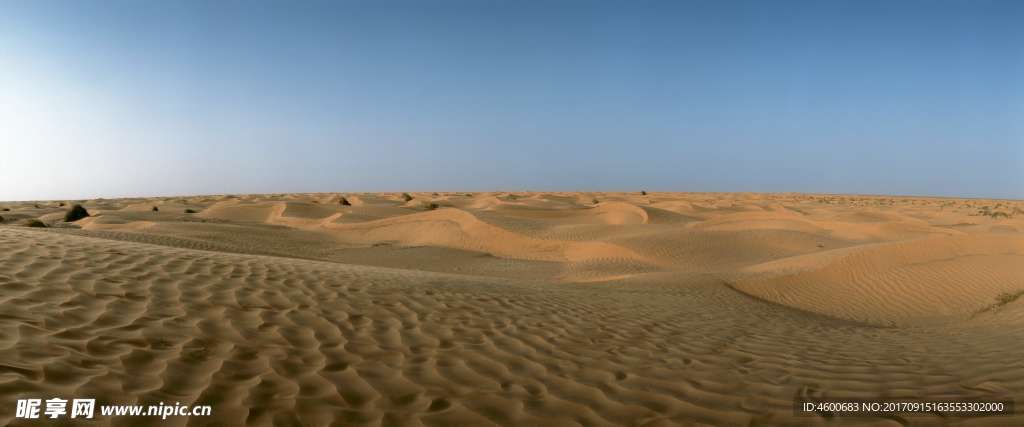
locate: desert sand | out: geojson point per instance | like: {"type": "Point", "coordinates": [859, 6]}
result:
{"type": "Point", "coordinates": [527, 309]}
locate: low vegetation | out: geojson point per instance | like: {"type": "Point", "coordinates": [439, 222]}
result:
{"type": "Point", "coordinates": [406, 197]}
{"type": "Point", "coordinates": [643, 192]}
{"type": "Point", "coordinates": [190, 211]}
{"type": "Point", "coordinates": [990, 212]}
{"type": "Point", "coordinates": [1003, 299]}
{"type": "Point", "coordinates": [1008, 297]}
{"type": "Point", "coordinates": [76, 213]}
{"type": "Point", "coordinates": [344, 202]}
{"type": "Point", "coordinates": [35, 223]}
{"type": "Point", "coordinates": [432, 206]}
{"type": "Point", "coordinates": [156, 209]}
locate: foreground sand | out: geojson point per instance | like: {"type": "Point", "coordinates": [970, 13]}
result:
{"type": "Point", "coordinates": [514, 309]}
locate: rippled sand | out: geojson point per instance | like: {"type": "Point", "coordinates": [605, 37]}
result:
{"type": "Point", "coordinates": [514, 309]}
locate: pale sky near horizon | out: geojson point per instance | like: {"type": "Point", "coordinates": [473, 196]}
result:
{"type": "Point", "coordinates": [129, 98]}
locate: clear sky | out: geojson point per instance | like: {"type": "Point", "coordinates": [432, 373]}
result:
{"type": "Point", "coordinates": [108, 99]}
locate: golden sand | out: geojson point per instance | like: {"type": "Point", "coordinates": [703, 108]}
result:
{"type": "Point", "coordinates": [514, 308]}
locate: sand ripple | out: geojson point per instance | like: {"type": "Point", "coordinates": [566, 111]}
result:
{"type": "Point", "coordinates": [278, 341]}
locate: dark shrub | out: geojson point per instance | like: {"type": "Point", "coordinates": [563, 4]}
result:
{"type": "Point", "coordinates": [189, 211]}
{"type": "Point", "coordinates": [344, 201]}
{"type": "Point", "coordinates": [406, 197]}
{"type": "Point", "coordinates": [6, 209]}
{"type": "Point", "coordinates": [76, 213]}
{"type": "Point", "coordinates": [156, 209]}
{"type": "Point", "coordinates": [595, 201]}
{"type": "Point", "coordinates": [432, 206]}
{"type": "Point", "coordinates": [61, 204]}
{"type": "Point", "coordinates": [1008, 297]}
{"type": "Point", "coordinates": [643, 193]}
{"type": "Point", "coordinates": [35, 223]}
{"type": "Point", "coordinates": [1, 219]}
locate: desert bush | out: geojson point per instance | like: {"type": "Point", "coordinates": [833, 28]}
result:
{"type": "Point", "coordinates": [1001, 300]}
{"type": "Point", "coordinates": [595, 201]}
{"type": "Point", "coordinates": [6, 209]}
{"type": "Point", "coordinates": [344, 201]}
{"type": "Point", "coordinates": [189, 211]}
{"type": "Point", "coordinates": [406, 197]}
{"type": "Point", "coordinates": [35, 223]}
{"type": "Point", "coordinates": [643, 192]}
{"type": "Point", "coordinates": [61, 204]}
{"type": "Point", "coordinates": [156, 209]}
{"type": "Point", "coordinates": [76, 213]}
{"type": "Point", "coordinates": [1, 218]}
{"type": "Point", "coordinates": [432, 206]}
{"type": "Point", "coordinates": [1008, 297]}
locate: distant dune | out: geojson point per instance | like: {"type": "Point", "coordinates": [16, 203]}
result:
{"type": "Point", "coordinates": [514, 308]}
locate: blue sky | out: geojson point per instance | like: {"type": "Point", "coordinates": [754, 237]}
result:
{"type": "Point", "coordinates": [108, 99]}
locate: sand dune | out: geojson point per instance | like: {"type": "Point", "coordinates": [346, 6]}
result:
{"type": "Point", "coordinates": [239, 211]}
{"type": "Point", "coordinates": [455, 228]}
{"type": "Point", "coordinates": [933, 279]}
{"type": "Point", "coordinates": [514, 308]}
